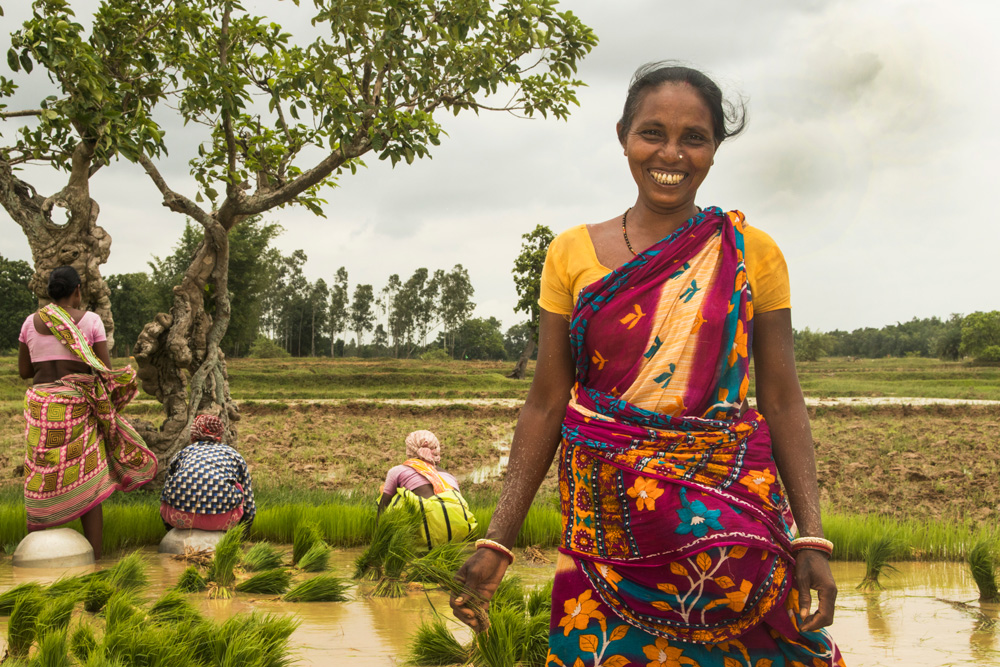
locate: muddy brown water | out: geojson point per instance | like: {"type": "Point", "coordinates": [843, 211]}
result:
{"type": "Point", "coordinates": [926, 617]}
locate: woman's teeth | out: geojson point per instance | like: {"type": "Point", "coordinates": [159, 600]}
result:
{"type": "Point", "coordinates": [666, 179]}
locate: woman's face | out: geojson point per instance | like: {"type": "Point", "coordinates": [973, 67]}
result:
{"type": "Point", "coordinates": [670, 147]}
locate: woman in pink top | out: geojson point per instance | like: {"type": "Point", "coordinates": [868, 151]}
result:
{"type": "Point", "coordinates": [73, 426]}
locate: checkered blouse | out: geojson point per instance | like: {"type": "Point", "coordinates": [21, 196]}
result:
{"type": "Point", "coordinates": [206, 477]}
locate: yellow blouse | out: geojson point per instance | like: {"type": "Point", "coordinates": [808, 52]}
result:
{"type": "Point", "coordinates": [571, 264]}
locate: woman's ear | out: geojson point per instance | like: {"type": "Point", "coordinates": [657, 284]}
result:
{"type": "Point", "coordinates": [621, 138]}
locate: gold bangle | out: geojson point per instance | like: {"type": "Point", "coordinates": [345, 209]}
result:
{"type": "Point", "coordinates": [495, 546]}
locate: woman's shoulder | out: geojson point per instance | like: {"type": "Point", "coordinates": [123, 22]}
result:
{"type": "Point", "coordinates": [758, 240]}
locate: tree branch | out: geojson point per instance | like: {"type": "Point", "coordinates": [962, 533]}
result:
{"type": "Point", "coordinates": [232, 188]}
{"type": "Point", "coordinates": [172, 200]}
{"type": "Point", "coordinates": [21, 114]}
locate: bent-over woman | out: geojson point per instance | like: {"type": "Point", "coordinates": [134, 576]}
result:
{"type": "Point", "coordinates": [208, 485]}
{"type": "Point", "coordinates": [677, 544]}
{"type": "Point", "coordinates": [417, 480]}
{"type": "Point", "coordinates": [80, 450]}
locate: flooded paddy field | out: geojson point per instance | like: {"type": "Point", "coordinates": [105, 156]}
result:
{"type": "Point", "coordinates": [928, 615]}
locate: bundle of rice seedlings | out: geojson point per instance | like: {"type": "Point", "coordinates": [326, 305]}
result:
{"type": "Point", "coordinates": [271, 582]}
{"type": "Point", "coordinates": [448, 557]}
{"type": "Point", "coordinates": [322, 588]}
{"type": "Point", "coordinates": [261, 556]}
{"type": "Point", "coordinates": [392, 546]}
{"type": "Point", "coordinates": [388, 588]}
{"type": "Point", "coordinates": [257, 639]}
{"type": "Point", "coordinates": [140, 643]}
{"type": "Point", "coordinates": [191, 581]}
{"type": "Point", "coordinates": [317, 559]}
{"type": "Point", "coordinates": [501, 645]}
{"type": "Point", "coordinates": [509, 594]}
{"type": "Point", "coordinates": [540, 600]}
{"type": "Point", "coordinates": [9, 597]}
{"type": "Point", "coordinates": [222, 571]}
{"type": "Point", "coordinates": [52, 651]}
{"type": "Point", "coordinates": [433, 644]}
{"type": "Point", "coordinates": [129, 573]}
{"type": "Point", "coordinates": [120, 611]}
{"type": "Point", "coordinates": [307, 534]}
{"type": "Point", "coordinates": [983, 562]}
{"type": "Point", "coordinates": [877, 555]}
{"type": "Point", "coordinates": [23, 624]}
{"type": "Point", "coordinates": [446, 581]}
{"type": "Point", "coordinates": [56, 614]}
{"type": "Point", "coordinates": [173, 607]}
{"type": "Point", "coordinates": [96, 595]}
{"type": "Point", "coordinates": [82, 642]}
{"type": "Point", "coordinates": [68, 586]}
{"type": "Point", "coordinates": [535, 647]}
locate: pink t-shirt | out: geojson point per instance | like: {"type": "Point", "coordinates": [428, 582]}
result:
{"type": "Point", "coordinates": [408, 478]}
{"type": "Point", "coordinates": [49, 348]}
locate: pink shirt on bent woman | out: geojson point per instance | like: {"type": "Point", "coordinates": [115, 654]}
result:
{"type": "Point", "coordinates": [408, 478]}
{"type": "Point", "coordinates": [49, 348]}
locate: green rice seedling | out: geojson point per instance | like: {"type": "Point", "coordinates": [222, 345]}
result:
{"type": "Point", "coordinates": [191, 581]}
{"type": "Point", "coordinates": [501, 644]}
{"type": "Point", "coordinates": [446, 581]}
{"type": "Point", "coordinates": [540, 600]}
{"type": "Point", "coordinates": [388, 588]}
{"type": "Point", "coordinates": [508, 595]}
{"type": "Point", "coordinates": [227, 555]}
{"type": "Point", "coordinates": [269, 582]}
{"type": "Point", "coordinates": [96, 595]}
{"type": "Point", "coordinates": [317, 559]}
{"type": "Point", "coordinates": [983, 562]}
{"type": "Point", "coordinates": [433, 644]}
{"type": "Point", "coordinates": [173, 607]}
{"type": "Point", "coordinates": [448, 557]}
{"type": "Point", "coordinates": [261, 556]}
{"type": "Point", "coordinates": [535, 647]}
{"type": "Point", "coordinates": [321, 588]}
{"type": "Point", "coordinates": [83, 642]}
{"type": "Point", "coordinates": [9, 597]}
{"type": "Point", "coordinates": [307, 535]}
{"type": "Point", "coordinates": [877, 556]}
{"type": "Point", "coordinates": [149, 645]}
{"type": "Point", "coordinates": [23, 625]}
{"type": "Point", "coordinates": [256, 639]}
{"type": "Point", "coordinates": [68, 586]}
{"type": "Point", "coordinates": [129, 573]}
{"type": "Point", "coordinates": [120, 611]}
{"type": "Point", "coordinates": [53, 650]}
{"type": "Point", "coordinates": [392, 547]}
{"type": "Point", "coordinates": [128, 525]}
{"type": "Point", "coordinates": [55, 615]}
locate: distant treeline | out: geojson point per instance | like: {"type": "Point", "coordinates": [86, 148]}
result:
{"type": "Point", "coordinates": [976, 336]}
{"type": "Point", "coordinates": [278, 312]}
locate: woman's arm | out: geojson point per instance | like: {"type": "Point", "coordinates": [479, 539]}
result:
{"type": "Point", "coordinates": [101, 350]}
{"type": "Point", "coordinates": [534, 445]}
{"type": "Point", "coordinates": [24, 365]}
{"type": "Point", "coordinates": [779, 399]}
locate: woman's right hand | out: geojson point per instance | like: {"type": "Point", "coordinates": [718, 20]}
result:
{"type": "Point", "coordinates": [481, 574]}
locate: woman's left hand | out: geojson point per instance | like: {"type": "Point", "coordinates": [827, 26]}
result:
{"type": "Point", "coordinates": [812, 572]}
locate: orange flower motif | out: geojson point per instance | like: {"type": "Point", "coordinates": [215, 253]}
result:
{"type": "Point", "coordinates": [738, 599]}
{"type": "Point", "coordinates": [645, 491]}
{"type": "Point", "coordinates": [662, 654]}
{"type": "Point", "coordinates": [579, 611]}
{"type": "Point", "coordinates": [739, 344]}
{"type": "Point", "coordinates": [759, 482]}
{"type": "Point", "coordinates": [609, 575]}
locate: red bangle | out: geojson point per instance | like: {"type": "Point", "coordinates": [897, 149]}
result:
{"type": "Point", "coordinates": [495, 546]}
{"type": "Point", "coordinates": [813, 544]}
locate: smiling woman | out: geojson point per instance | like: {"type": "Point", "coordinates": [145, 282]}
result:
{"type": "Point", "coordinates": [677, 542]}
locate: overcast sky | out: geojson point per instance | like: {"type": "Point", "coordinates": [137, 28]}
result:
{"type": "Point", "coordinates": [871, 157]}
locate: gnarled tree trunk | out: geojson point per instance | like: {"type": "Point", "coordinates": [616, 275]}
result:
{"type": "Point", "coordinates": [521, 369]}
{"type": "Point", "coordinates": [180, 362]}
{"type": "Point", "coordinates": [79, 243]}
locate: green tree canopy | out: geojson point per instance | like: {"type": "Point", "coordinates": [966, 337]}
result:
{"type": "Point", "coordinates": [17, 299]}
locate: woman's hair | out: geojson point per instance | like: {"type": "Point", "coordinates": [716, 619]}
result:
{"type": "Point", "coordinates": [62, 282]}
{"type": "Point", "coordinates": [728, 118]}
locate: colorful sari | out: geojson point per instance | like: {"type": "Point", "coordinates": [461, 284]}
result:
{"type": "Point", "coordinates": [676, 533]}
{"type": "Point", "coordinates": [79, 448]}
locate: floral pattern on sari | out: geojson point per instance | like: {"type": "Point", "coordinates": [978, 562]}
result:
{"type": "Point", "coordinates": [672, 514]}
